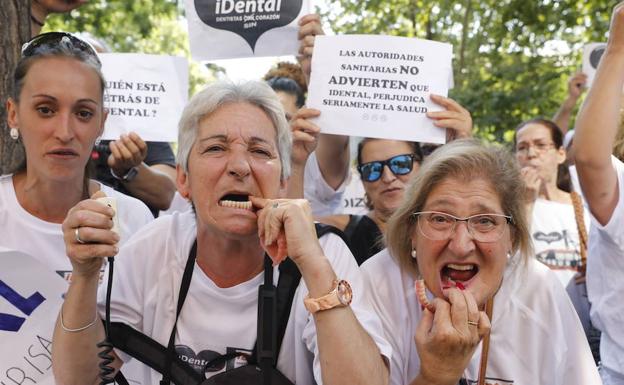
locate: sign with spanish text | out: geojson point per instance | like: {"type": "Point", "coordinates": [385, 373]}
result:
{"type": "Point", "coordinates": [145, 94]}
{"type": "Point", "coordinates": [230, 29]}
{"type": "Point", "coordinates": [379, 86]}
{"type": "Point", "coordinates": [30, 299]}
{"type": "Point", "coordinates": [592, 53]}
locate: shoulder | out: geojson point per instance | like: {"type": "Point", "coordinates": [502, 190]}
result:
{"type": "Point", "coordinates": [338, 221]}
{"type": "Point", "coordinates": [381, 270]}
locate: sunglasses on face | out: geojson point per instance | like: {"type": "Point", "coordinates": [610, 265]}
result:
{"type": "Point", "coordinates": [399, 165]}
{"type": "Point", "coordinates": [53, 39]}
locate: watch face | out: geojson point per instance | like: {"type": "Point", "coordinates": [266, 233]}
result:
{"type": "Point", "coordinates": [345, 295]}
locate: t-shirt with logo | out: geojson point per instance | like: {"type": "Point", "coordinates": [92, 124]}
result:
{"type": "Point", "coordinates": [555, 237]}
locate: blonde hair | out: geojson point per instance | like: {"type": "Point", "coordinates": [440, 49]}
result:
{"type": "Point", "coordinates": [466, 159]}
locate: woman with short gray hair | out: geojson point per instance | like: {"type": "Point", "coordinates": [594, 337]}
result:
{"type": "Point", "coordinates": [457, 279]}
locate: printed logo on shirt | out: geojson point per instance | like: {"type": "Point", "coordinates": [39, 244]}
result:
{"type": "Point", "coordinates": [548, 238]}
{"type": "Point", "coordinates": [562, 251]}
{"type": "Point", "coordinates": [208, 362]}
{"type": "Point", "coordinates": [354, 202]}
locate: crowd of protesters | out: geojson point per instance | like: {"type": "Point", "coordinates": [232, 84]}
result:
{"type": "Point", "coordinates": [469, 263]}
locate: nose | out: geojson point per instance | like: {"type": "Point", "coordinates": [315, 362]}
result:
{"type": "Point", "coordinates": [387, 175]}
{"type": "Point", "coordinates": [461, 242]}
{"type": "Point", "coordinates": [531, 152]}
{"type": "Point", "coordinates": [64, 130]}
{"type": "Point", "coordinates": [238, 165]}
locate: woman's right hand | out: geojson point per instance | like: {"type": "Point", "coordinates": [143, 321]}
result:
{"type": "Point", "coordinates": [88, 235]}
{"type": "Point", "coordinates": [447, 339]}
{"type": "Point", "coordinates": [304, 134]}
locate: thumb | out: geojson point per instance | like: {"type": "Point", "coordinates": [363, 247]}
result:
{"type": "Point", "coordinates": [258, 202]}
{"type": "Point", "coordinates": [98, 194]}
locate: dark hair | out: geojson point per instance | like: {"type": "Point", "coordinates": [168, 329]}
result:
{"type": "Point", "coordinates": [289, 86]}
{"type": "Point", "coordinates": [414, 145]}
{"type": "Point", "coordinates": [564, 181]}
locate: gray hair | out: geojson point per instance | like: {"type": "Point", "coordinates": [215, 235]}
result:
{"type": "Point", "coordinates": [466, 159]}
{"type": "Point", "coordinates": [220, 93]}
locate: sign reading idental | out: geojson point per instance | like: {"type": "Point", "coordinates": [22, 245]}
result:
{"type": "Point", "coordinates": [30, 299]}
{"type": "Point", "coordinates": [227, 29]}
{"type": "Point", "coordinates": [144, 94]}
{"type": "Point", "coordinates": [364, 90]}
{"type": "Point", "coordinates": [592, 53]}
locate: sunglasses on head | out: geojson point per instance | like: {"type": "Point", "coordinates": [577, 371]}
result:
{"type": "Point", "coordinates": [399, 165]}
{"type": "Point", "coordinates": [53, 39]}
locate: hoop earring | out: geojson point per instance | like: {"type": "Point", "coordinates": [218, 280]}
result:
{"type": "Point", "coordinates": [14, 133]}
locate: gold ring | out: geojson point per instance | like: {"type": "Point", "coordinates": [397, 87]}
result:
{"type": "Point", "coordinates": [78, 236]}
{"type": "Point", "coordinates": [474, 323]}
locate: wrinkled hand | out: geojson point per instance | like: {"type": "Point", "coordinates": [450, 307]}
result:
{"type": "Point", "coordinates": [59, 6]}
{"type": "Point", "coordinates": [309, 27]}
{"type": "Point", "coordinates": [127, 152]}
{"type": "Point", "coordinates": [446, 341]}
{"type": "Point", "coordinates": [286, 228]}
{"type": "Point", "coordinates": [304, 135]}
{"type": "Point", "coordinates": [92, 222]}
{"type": "Point", "coordinates": [455, 118]}
{"type": "Point", "coordinates": [576, 85]}
{"type": "Point", "coordinates": [616, 31]}
{"type": "Point", "coordinates": [533, 183]}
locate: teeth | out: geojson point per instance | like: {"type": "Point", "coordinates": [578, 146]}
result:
{"type": "Point", "coordinates": [460, 267]}
{"type": "Point", "coordinates": [236, 205]}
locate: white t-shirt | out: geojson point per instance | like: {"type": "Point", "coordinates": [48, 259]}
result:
{"type": "Point", "coordinates": [605, 281]}
{"type": "Point", "coordinates": [555, 237]}
{"type": "Point", "coordinates": [148, 272]}
{"type": "Point", "coordinates": [43, 240]}
{"type": "Point", "coordinates": [536, 336]}
{"type": "Point", "coordinates": [325, 201]}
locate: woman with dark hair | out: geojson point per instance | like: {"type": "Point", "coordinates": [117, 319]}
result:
{"type": "Point", "coordinates": [540, 153]}
{"type": "Point", "coordinates": [385, 167]}
{"type": "Point", "coordinates": [57, 112]}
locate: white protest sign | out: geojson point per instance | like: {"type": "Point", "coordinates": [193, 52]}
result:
{"type": "Point", "coordinates": [145, 94]}
{"type": "Point", "coordinates": [379, 86]}
{"type": "Point", "coordinates": [230, 29]}
{"type": "Point", "coordinates": [591, 58]}
{"type": "Point", "coordinates": [30, 299]}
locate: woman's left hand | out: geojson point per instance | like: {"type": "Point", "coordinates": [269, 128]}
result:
{"type": "Point", "coordinates": [455, 118]}
{"type": "Point", "coordinates": [286, 228]}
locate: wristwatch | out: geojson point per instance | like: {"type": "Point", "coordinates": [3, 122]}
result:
{"type": "Point", "coordinates": [128, 176]}
{"type": "Point", "coordinates": [340, 295]}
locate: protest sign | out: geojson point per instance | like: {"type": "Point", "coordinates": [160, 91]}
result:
{"type": "Point", "coordinates": [230, 29]}
{"type": "Point", "coordinates": [364, 90]}
{"type": "Point", "coordinates": [591, 58]}
{"type": "Point", "coordinates": [145, 94]}
{"type": "Point", "coordinates": [30, 299]}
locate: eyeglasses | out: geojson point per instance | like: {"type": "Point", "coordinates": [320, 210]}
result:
{"type": "Point", "coordinates": [52, 39]}
{"type": "Point", "coordinates": [439, 226]}
{"type": "Point", "coordinates": [539, 148]}
{"type": "Point", "coordinates": [399, 165]}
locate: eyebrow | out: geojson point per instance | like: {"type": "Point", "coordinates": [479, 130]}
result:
{"type": "Point", "coordinates": [88, 100]}
{"type": "Point", "coordinates": [445, 203]}
{"type": "Point", "coordinates": [224, 138]}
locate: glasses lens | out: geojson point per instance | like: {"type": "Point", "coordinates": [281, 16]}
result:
{"type": "Point", "coordinates": [401, 164]}
{"type": "Point", "coordinates": [487, 227]}
{"type": "Point", "coordinates": [483, 228]}
{"type": "Point", "coordinates": [371, 171]}
{"type": "Point", "coordinates": [435, 226]}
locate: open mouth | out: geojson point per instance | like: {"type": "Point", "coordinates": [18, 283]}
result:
{"type": "Point", "coordinates": [458, 275]}
{"type": "Point", "coordinates": [236, 201]}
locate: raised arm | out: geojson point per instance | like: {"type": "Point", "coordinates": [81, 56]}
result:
{"type": "Point", "coordinates": [576, 87]}
{"type": "Point", "coordinates": [597, 126]}
{"type": "Point", "coordinates": [88, 239]}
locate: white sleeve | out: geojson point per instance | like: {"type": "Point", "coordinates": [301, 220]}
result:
{"type": "Point", "coordinates": [346, 268]}
{"type": "Point", "coordinates": [613, 228]}
{"type": "Point", "coordinates": [323, 198]}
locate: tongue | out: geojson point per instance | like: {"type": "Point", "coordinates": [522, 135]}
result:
{"type": "Point", "coordinates": [459, 275]}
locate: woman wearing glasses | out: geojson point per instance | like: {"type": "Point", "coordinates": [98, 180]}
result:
{"type": "Point", "coordinates": [385, 167]}
{"type": "Point", "coordinates": [57, 112]}
{"type": "Point", "coordinates": [540, 153]}
{"type": "Point", "coordinates": [483, 309]}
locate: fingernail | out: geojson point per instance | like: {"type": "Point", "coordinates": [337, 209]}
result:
{"type": "Point", "coordinates": [460, 286]}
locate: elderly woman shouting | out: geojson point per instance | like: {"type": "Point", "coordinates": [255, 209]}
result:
{"type": "Point", "coordinates": [457, 275]}
{"type": "Point", "coordinates": [233, 143]}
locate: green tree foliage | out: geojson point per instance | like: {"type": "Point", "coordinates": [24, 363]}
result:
{"type": "Point", "coordinates": [140, 26]}
{"type": "Point", "coordinates": [507, 64]}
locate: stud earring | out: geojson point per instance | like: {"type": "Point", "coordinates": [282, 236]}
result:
{"type": "Point", "coordinates": [413, 253]}
{"type": "Point", "coordinates": [98, 140]}
{"type": "Point", "coordinates": [14, 133]}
